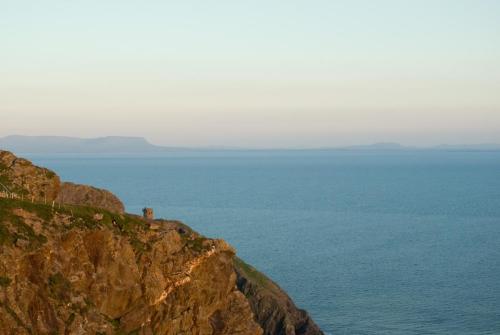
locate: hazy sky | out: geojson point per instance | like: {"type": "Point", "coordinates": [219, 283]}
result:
{"type": "Point", "coordinates": [253, 73]}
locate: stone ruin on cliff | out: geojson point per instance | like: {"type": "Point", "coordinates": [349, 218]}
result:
{"type": "Point", "coordinates": [148, 213]}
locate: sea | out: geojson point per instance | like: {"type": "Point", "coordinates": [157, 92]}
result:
{"type": "Point", "coordinates": [368, 242]}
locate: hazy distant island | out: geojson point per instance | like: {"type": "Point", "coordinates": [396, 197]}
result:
{"type": "Point", "coordinates": [133, 145]}
{"type": "Point", "coordinates": [63, 144]}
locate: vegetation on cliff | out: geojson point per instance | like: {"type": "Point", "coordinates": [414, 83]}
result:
{"type": "Point", "coordinates": [69, 273]}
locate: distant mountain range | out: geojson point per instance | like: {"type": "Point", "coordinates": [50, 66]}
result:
{"type": "Point", "coordinates": [61, 144]}
{"type": "Point", "coordinates": [120, 144]}
{"type": "Point", "coordinates": [442, 147]}
{"type": "Point", "coordinates": [379, 146]}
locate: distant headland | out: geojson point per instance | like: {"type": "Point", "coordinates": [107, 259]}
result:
{"type": "Point", "coordinates": [134, 145]}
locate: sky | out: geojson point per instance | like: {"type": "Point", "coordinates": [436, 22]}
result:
{"type": "Point", "coordinates": [295, 73]}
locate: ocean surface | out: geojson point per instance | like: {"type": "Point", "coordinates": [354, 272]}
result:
{"type": "Point", "coordinates": [367, 242]}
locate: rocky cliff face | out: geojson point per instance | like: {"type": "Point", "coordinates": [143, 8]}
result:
{"type": "Point", "coordinates": [69, 270]}
{"type": "Point", "coordinates": [64, 273]}
{"type": "Point", "coordinates": [21, 177]}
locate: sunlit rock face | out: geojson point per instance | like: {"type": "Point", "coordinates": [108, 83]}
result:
{"type": "Point", "coordinates": [64, 272]}
{"type": "Point", "coordinates": [22, 179]}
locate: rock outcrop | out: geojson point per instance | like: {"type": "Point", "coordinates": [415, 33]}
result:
{"type": "Point", "coordinates": [64, 273]}
{"type": "Point", "coordinates": [273, 308]}
{"type": "Point", "coordinates": [75, 194]}
{"type": "Point", "coordinates": [92, 269]}
{"type": "Point", "coordinates": [24, 179]}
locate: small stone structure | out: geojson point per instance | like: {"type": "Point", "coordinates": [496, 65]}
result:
{"type": "Point", "coordinates": [148, 213]}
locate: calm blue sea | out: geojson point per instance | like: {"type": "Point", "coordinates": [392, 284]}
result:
{"type": "Point", "coordinates": [367, 242]}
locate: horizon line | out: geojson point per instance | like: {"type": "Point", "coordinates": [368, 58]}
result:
{"type": "Point", "coordinates": [382, 145]}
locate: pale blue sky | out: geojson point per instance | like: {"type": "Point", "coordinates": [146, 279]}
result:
{"type": "Point", "coordinates": [253, 73]}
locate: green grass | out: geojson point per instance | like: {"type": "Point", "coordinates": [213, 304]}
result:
{"type": "Point", "coordinates": [44, 212]}
{"type": "Point", "coordinates": [16, 318]}
{"type": "Point", "coordinates": [5, 235]}
{"type": "Point", "coordinates": [88, 302]}
{"type": "Point", "coordinates": [21, 229]}
{"type": "Point", "coordinates": [26, 232]}
{"type": "Point", "coordinates": [82, 217]}
{"type": "Point", "coordinates": [126, 223]}
{"type": "Point", "coordinates": [196, 244]}
{"type": "Point", "coordinates": [139, 246]}
{"type": "Point", "coordinates": [5, 281]}
{"type": "Point", "coordinates": [70, 320]}
{"type": "Point", "coordinates": [50, 174]}
{"type": "Point", "coordinates": [115, 323]}
{"type": "Point", "coordinates": [12, 227]}
{"type": "Point", "coordinates": [4, 180]}
{"type": "Point", "coordinates": [252, 274]}
{"type": "Point", "coordinates": [59, 287]}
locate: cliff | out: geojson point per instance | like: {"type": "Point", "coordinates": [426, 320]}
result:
{"type": "Point", "coordinates": [68, 269]}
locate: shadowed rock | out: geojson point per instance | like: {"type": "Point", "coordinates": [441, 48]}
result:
{"type": "Point", "coordinates": [273, 308]}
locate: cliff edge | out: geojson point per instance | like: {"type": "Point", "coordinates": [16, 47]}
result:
{"type": "Point", "coordinates": [274, 310]}
{"type": "Point", "coordinates": [83, 266]}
